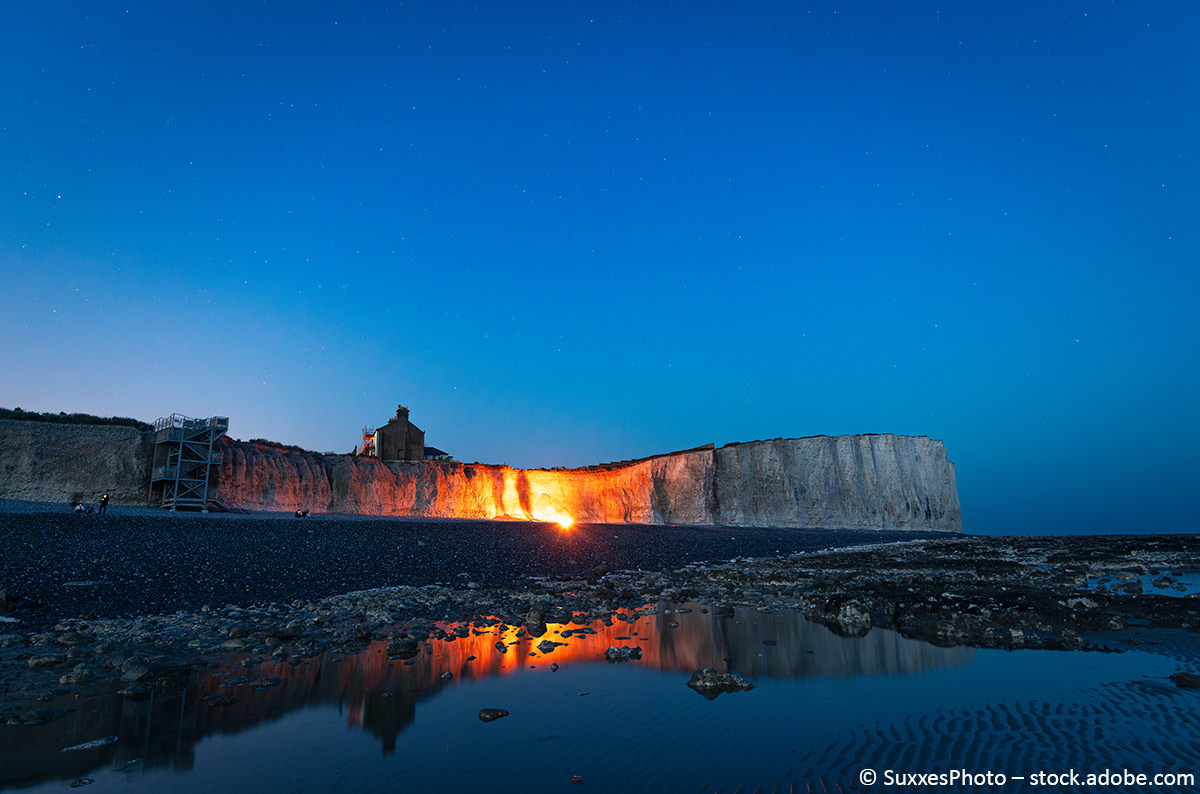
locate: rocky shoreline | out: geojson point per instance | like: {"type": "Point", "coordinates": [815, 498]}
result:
{"type": "Point", "coordinates": [1042, 592]}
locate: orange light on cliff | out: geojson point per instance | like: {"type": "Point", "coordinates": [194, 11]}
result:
{"type": "Point", "coordinates": [565, 522]}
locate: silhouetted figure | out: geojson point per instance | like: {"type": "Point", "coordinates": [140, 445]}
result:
{"type": "Point", "coordinates": [78, 507]}
{"type": "Point", "coordinates": [301, 514]}
{"type": "Point", "coordinates": [89, 510]}
{"type": "Point", "coordinates": [104, 505]}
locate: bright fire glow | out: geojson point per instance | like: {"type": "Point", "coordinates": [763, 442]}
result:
{"type": "Point", "coordinates": [563, 520]}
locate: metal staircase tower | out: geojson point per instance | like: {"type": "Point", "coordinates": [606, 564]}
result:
{"type": "Point", "coordinates": [183, 459]}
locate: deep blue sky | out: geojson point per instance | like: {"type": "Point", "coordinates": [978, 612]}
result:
{"type": "Point", "coordinates": [565, 233]}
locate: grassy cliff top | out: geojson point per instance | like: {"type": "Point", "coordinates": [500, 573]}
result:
{"type": "Point", "coordinates": [63, 417]}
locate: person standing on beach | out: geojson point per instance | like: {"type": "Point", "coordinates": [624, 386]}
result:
{"type": "Point", "coordinates": [104, 504]}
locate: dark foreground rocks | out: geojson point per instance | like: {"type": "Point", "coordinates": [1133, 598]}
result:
{"type": "Point", "coordinates": [1186, 680]}
{"type": "Point", "coordinates": [491, 715]}
{"type": "Point", "coordinates": [1054, 593]}
{"type": "Point", "coordinates": [710, 683]}
{"type": "Point", "coordinates": [615, 655]}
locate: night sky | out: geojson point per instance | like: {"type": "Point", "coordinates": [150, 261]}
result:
{"type": "Point", "coordinates": [565, 233]}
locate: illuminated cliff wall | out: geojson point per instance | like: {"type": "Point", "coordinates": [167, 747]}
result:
{"type": "Point", "coordinates": [848, 482]}
{"type": "Point", "coordinates": [670, 489]}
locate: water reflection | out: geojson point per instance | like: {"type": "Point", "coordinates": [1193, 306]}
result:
{"type": "Point", "coordinates": [381, 695]}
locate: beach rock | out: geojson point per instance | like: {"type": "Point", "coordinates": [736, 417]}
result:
{"type": "Point", "coordinates": [536, 615]}
{"type": "Point", "coordinates": [446, 676]}
{"type": "Point", "coordinates": [134, 691]}
{"type": "Point", "coordinates": [615, 655]}
{"type": "Point", "coordinates": [491, 715]}
{"type": "Point", "coordinates": [854, 618]}
{"type": "Point", "coordinates": [402, 648]}
{"type": "Point", "coordinates": [710, 683]}
{"type": "Point", "coordinates": [46, 660]}
{"type": "Point", "coordinates": [546, 646]}
{"type": "Point", "coordinates": [134, 669]}
{"type": "Point", "coordinates": [220, 700]}
{"type": "Point", "coordinates": [266, 683]}
{"type": "Point", "coordinates": [240, 631]}
{"type": "Point", "coordinates": [80, 675]}
{"type": "Point", "coordinates": [378, 616]}
{"type": "Point", "coordinates": [291, 631]}
{"type": "Point", "coordinates": [1186, 680]}
{"type": "Point", "coordinates": [103, 741]}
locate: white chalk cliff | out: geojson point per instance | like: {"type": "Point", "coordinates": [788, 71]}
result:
{"type": "Point", "coordinates": [841, 482]}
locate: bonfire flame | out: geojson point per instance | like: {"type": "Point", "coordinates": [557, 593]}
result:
{"type": "Point", "coordinates": [563, 520]}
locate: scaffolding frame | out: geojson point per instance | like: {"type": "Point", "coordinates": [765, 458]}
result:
{"type": "Point", "coordinates": [183, 459]}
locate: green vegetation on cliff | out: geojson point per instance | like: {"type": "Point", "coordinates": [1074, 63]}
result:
{"type": "Point", "coordinates": [72, 419]}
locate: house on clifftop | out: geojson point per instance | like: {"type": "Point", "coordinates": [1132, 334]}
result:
{"type": "Point", "coordinates": [399, 439]}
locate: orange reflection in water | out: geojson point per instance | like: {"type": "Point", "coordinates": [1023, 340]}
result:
{"type": "Point", "coordinates": [381, 693]}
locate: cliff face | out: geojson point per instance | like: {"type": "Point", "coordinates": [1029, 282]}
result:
{"type": "Point", "coordinates": [259, 477]}
{"type": "Point", "coordinates": [671, 489]}
{"type": "Point", "coordinates": [49, 462]}
{"type": "Point", "coordinates": [843, 482]}
{"type": "Point", "coordinates": [847, 482]}
{"type": "Point", "coordinates": [868, 482]}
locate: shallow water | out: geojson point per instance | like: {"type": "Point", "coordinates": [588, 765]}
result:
{"type": "Point", "coordinates": [1179, 583]}
{"type": "Point", "coordinates": [825, 706]}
